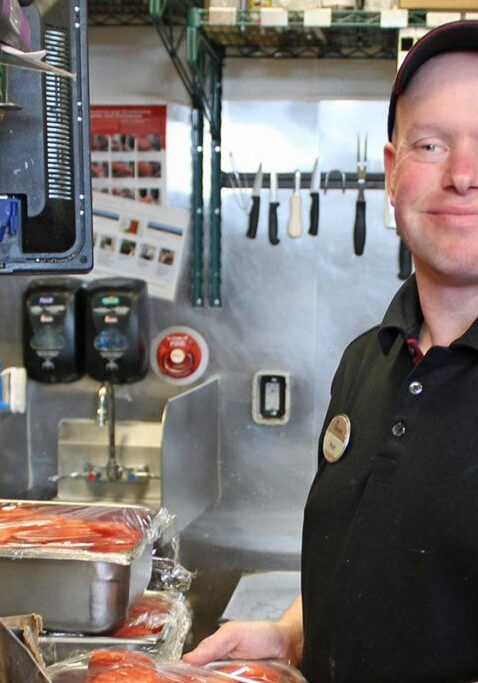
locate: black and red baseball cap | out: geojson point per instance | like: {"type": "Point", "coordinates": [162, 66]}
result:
{"type": "Point", "coordinates": [457, 36]}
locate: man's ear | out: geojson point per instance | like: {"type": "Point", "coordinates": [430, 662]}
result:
{"type": "Point", "coordinates": [389, 158]}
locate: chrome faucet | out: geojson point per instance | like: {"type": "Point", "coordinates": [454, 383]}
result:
{"type": "Point", "coordinates": [106, 415]}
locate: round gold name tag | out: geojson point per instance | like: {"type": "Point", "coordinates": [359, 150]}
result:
{"type": "Point", "coordinates": [337, 437]}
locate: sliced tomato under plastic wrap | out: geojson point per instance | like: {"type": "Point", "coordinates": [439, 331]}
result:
{"type": "Point", "coordinates": [127, 675]}
{"type": "Point", "coordinates": [147, 616]}
{"type": "Point", "coordinates": [102, 661]}
{"type": "Point", "coordinates": [111, 666]}
{"type": "Point", "coordinates": [268, 671]}
{"type": "Point", "coordinates": [102, 530]}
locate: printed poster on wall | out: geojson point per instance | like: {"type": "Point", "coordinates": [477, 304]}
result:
{"type": "Point", "coordinates": [133, 239]}
{"type": "Point", "coordinates": [135, 234]}
{"type": "Point", "coordinates": [128, 151]}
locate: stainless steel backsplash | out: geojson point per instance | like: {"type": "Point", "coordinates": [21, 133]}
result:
{"type": "Point", "coordinates": [292, 307]}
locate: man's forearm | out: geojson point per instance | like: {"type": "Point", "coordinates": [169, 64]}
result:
{"type": "Point", "coordinates": [291, 620]}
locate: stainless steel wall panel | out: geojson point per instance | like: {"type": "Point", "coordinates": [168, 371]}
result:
{"type": "Point", "coordinates": [292, 307]}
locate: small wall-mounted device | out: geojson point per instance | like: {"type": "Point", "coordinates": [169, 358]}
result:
{"type": "Point", "coordinates": [271, 397]}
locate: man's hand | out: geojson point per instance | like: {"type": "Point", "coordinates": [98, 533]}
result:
{"type": "Point", "coordinates": [281, 639]}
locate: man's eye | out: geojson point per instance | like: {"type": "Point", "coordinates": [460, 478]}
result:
{"type": "Point", "coordinates": [432, 147]}
{"type": "Point", "coordinates": [429, 151]}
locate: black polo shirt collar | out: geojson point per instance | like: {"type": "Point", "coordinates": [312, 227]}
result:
{"type": "Point", "coordinates": [404, 317]}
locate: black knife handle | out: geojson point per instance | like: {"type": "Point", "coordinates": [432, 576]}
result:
{"type": "Point", "coordinates": [273, 239]}
{"type": "Point", "coordinates": [314, 213]}
{"type": "Point", "coordinates": [404, 262]}
{"type": "Point", "coordinates": [359, 226]}
{"type": "Point", "coordinates": [253, 217]}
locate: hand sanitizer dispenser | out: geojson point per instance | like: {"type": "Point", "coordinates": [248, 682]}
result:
{"type": "Point", "coordinates": [116, 330]}
{"type": "Point", "coordinates": [52, 330]}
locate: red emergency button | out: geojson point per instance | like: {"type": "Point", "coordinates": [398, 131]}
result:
{"type": "Point", "coordinates": [179, 355]}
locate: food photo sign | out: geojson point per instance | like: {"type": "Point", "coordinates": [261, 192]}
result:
{"type": "Point", "coordinates": [135, 234]}
{"type": "Point", "coordinates": [128, 151]}
{"type": "Point", "coordinates": [134, 239]}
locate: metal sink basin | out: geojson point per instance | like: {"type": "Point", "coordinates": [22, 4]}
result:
{"type": "Point", "coordinates": [83, 448]}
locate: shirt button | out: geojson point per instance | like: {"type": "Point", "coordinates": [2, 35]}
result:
{"type": "Point", "coordinates": [415, 388]}
{"type": "Point", "coordinates": [398, 429]}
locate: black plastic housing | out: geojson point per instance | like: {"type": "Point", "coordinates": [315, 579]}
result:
{"type": "Point", "coordinates": [116, 330]}
{"type": "Point", "coordinates": [44, 138]}
{"type": "Point", "coordinates": [52, 330]}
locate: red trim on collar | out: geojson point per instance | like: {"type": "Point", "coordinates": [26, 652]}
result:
{"type": "Point", "coordinates": [415, 351]}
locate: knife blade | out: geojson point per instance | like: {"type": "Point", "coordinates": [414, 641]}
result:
{"type": "Point", "coordinates": [273, 204]}
{"type": "Point", "coordinates": [256, 201]}
{"type": "Point", "coordinates": [360, 226]}
{"type": "Point", "coordinates": [314, 199]}
{"type": "Point", "coordinates": [294, 228]}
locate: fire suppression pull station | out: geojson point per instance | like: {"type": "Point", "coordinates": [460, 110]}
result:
{"type": "Point", "coordinates": [271, 398]}
{"type": "Point", "coordinates": [179, 355]}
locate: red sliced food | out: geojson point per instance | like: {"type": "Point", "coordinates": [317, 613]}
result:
{"type": "Point", "coordinates": [146, 617]}
{"type": "Point", "coordinates": [100, 659]}
{"type": "Point", "coordinates": [249, 671]}
{"type": "Point", "coordinates": [133, 631]}
{"type": "Point", "coordinates": [39, 525]}
{"type": "Point", "coordinates": [112, 666]}
{"type": "Point", "coordinates": [159, 604]}
{"type": "Point", "coordinates": [129, 674]}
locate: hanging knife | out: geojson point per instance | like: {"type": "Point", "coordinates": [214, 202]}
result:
{"type": "Point", "coordinates": [294, 228]}
{"type": "Point", "coordinates": [273, 204]}
{"type": "Point", "coordinates": [404, 261]}
{"type": "Point", "coordinates": [314, 199]}
{"type": "Point", "coordinates": [360, 224]}
{"type": "Point", "coordinates": [256, 200]}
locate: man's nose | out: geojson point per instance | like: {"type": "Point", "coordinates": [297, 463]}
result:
{"type": "Point", "coordinates": [463, 168]}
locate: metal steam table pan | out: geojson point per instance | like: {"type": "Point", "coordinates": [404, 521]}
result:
{"type": "Point", "coordinates": [57, 647]}
{"type": "Point", "coordinates": [73, 595]}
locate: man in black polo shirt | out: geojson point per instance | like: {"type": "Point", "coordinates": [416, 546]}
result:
{"type": "Point", "coordinates": [390, 543]}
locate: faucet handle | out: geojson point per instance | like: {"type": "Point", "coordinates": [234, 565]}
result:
{"type": "Point", "coordinates": [71, 475]}
{"type": "Point", "coordinates": [138, 475]}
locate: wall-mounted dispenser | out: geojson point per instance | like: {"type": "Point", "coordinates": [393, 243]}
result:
{"type": "Point", "coordinates": [52, 328]}
{"type": "Point", "coordinates": [116, 330]}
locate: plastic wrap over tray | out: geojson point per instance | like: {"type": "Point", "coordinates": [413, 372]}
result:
{"type": "Point", "coordinates": [108, 666]}
{"type": "Point", "coordinates": [47, 529]}
{"type": "Point", "coordinates": [79, 566]}
{"type": "Point", "coordinates": [157, 624]}
{"type": "Point", "coordinates": [162, 615]}
{"type": "Point", "coordinates": [266, 670]}
{"type": "Point", "coordinates": [168, 574]}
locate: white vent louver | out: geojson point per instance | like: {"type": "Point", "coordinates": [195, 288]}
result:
{"type": "Point", "coordinates": [58, 122]}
